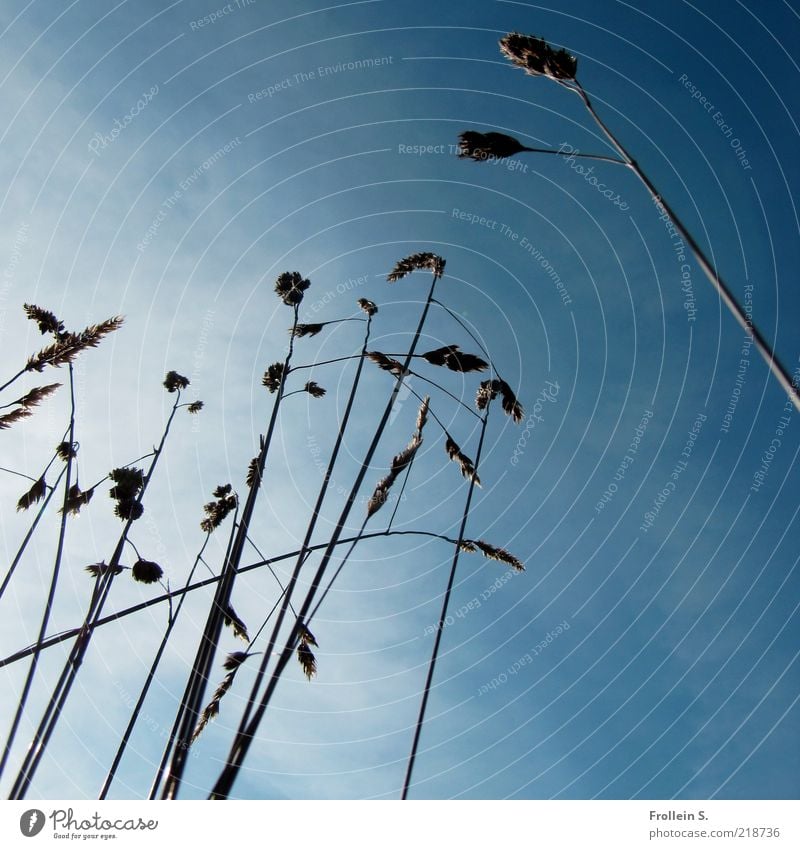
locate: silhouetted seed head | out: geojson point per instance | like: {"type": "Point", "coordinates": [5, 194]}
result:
{"type": "Point", "coordinates": [289, 287]}
{"type": "Point", "coordinates": [34, 494]}
{"type": "Point", "coordinates": [401, 461]}
{"type": "Point", "coordinates": [211, 710]}
{"type": "Point", "coordinates": [69, 345]}
{"type": "Point", "coordinates": [499, 554]}
{"type": "Point", "coordinates": [146, 572]}
{"type": "Point", "coordinates": [487, 392]}
{"type": "Point", "coordinates": [301, 330]}
{"type": "Point", "coordinates": [464, 463]}
{"type": "Point", "coordinates": [273, 377]}
{"type": "Point", "coordinates": [217, 511]}
{"type": "Point", "coordinates": [536, 57]}
{"type": "Point", "coordinates": [307, 660]}
{"type": "Point", "coordinates": [102, 568]}
{"type": "Point", "coordinates": [36, 395]}
{"type": "Point", "coordinates": [455, 360]}
{"type": "Point", "coordinates": [128, 483]}
{"type": "Point", "coordinates": [235, 659]}
{"type": "Point", "coordinates": [14, 416]}
{"type": "Point", "coordinates": [252, 472]}
{"type": "Point", "coordinates": [368, 306]}
{"type": "Point", "coordinates": [194, 407]}
{"type": "Point", "coordinates": [65, 450]}
{"type": "Point", "coordinates": [511, 406]}
{"type": "Point", "coordinates": [306, 636]}
{"type": "Point", "coordinates": [467, 545]}
{"type": "Point", "coordinates": [314, 389]}
{"type": "Point", "coordinates": [47, 322]}
{"type": "Point", "coordinates": [76, 499]}
{"type": "Point", "coordinates": [379, 496]}
{"type": "Point", "coordinates": [420, 261]}
{"type": "Point", "coordinates": [422, 414]}
{"type": "Point", "coordinates": [483, 147]}
{"type": "Point", "coordinates": [174, 381]}
{"type": "Point", "coordinates": [385, 363]}
{"type": "Point", "coordinates": [233, 621]}
{"type": "Point", "coordinates": [128, 508]}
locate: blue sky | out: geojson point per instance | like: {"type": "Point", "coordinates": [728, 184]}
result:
{"type": "Point", "coordinates": [256, 143]}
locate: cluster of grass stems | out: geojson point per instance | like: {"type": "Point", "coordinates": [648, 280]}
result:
{"type": "Point", "coordinates": [285, 632]}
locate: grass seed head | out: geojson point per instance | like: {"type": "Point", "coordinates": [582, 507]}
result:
{"type": "Point", "coordinates": [417, 262]}
{"type": "Point", "coordinates": [483, 147]}
{"type": "Point", "coordinates": [301, 330]}
{"type": "Point", "coordinates": [174, 381]}
{"type": "Point", "coordinates": [307, 660]}
{"type": "Point", "coordinates": [34, 494]}
{"type": "Point", "coordinates": [146, 571]}
{"type": "Point", "coordinates": [273, 377]}
{"type": "Point", "coordinates": [46, 321]}
{"type": "Point", "coordinates": [464, 463]}
{"type": "Point", "coordinates": [536, 57]}
{"type": "Point", "coordinates": [289, 287]}
{"type": "Point", "coordinates": [314, 389]}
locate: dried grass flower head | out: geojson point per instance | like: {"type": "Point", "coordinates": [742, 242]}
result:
{"type": "Point", "coordinates": [492, 552]}
{"type": "Point", "coordinates": [273, 377]}
{"type": "Point", "coordinates": [68, 345]}
{"type": "Point", "coordinates": [66, 450]}
{"type": "Point", "coordinates": [385, 363]}
{"type": "Point", "coordinates": [417, 262]}
{"type": "Point", "coordinates": [34, 494]}
{"type": "Point", "coordinates": [76, 499]}
{"type": "Point", "coordinates": [217, 511]}
{"type": "Point", "coordinates": [46, 321]}
{"type": "Point", "coordinates": [128, 483]}
{"type": "Point", "coordinates": [483, 147]}
{"type": "Point", "coordinates": [487, 392]}
{"type": "Point", "coordinates": [452, 357]}
{"type": "Point", "coordinates": [369, 307]}
{"type": "Point", "coordinates": [174, 382]}
{"type": "Point", "coordinates": [289, 287]}
{"type": "Point", "coordinates": [146, 571]}
{"type": "Point", "coordinates": [304, 654]}
{"type": "Point", "coordinates": [194, 407]}
{"type": "Point", "coordinates": [301, 330]}
{"type": "Point", "coordinates": [536, 57]}
{"type": "Point", "coordinates": [314, 389]}
{"type": "Point", "coordinates": [232, 620]}
{"type": "Point", "coordinates": [466, 465]}
{"type": "Point", "coordinates": [96, 570]}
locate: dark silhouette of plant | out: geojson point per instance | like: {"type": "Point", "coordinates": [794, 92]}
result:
{"type": "Point", "coordinates": [537, 58]}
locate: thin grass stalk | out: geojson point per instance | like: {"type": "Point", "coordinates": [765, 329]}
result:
{"type": "Point", "coordinates": [192, 703]}
{"type": "Point", "coordinates": [69, 672]}
{"type": "Point", "coordinates": [305, 549]}
{"type": "Point", "coordinates": [353, 543]}
{"type": "Point", "coordinates": [29, 535]}
{"type": "Point", "coordinates": [244, 737]}
{"type": "Point", "coordinates": [48, 607]}
{"type": "Point", "coordinates": [126, 736]}
{"type": "Point", "coordinates": [11, 380]}
{"type": "Point", "coordinates": [764, 348]}
{"type": "Point", "coordinates": [442, 619]}
{"type": "Point", "coordinates": [167, 751]}
{"type": "Point", "coordinates": [198, 585]}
